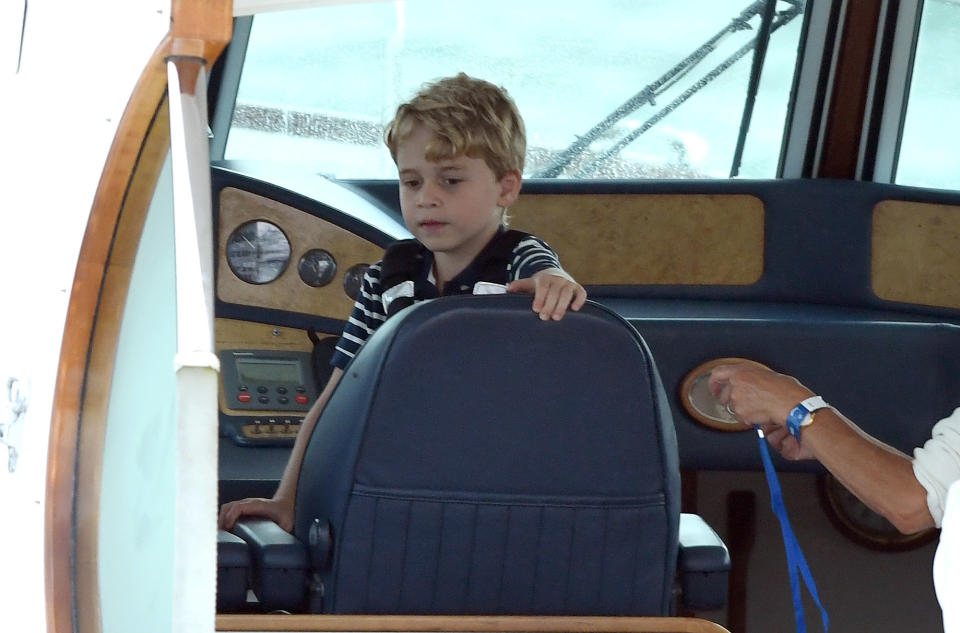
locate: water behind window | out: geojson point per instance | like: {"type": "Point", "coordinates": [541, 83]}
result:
{"type": "Point", "coordinates": [319, 84]}
{"type": "Point", "coordinates": [931, 131]}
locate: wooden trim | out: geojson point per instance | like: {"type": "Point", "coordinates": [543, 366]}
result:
{"type": "Point", "coordinates": [115, 193]}
{"type": "Point", "coordinates": [93, 320]}
{"type": "Point", "coordinates": [851, 85]}
{"type": "Point", "coordinates": [235, 334]}
{"type": "Point", "coordinates": [454, 624]}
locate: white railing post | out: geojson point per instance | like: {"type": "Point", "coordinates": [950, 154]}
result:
{"type": "Point", "coordinates": [196, 362]}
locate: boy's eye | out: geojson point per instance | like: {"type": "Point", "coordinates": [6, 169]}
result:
{"type": "Point", "coordinates": [452, 181]}
{"type": "Point", "coordinates": [410, 182]}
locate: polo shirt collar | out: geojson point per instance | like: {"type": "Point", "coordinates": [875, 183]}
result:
{"type": "Point", "coordinates": [465, 280]}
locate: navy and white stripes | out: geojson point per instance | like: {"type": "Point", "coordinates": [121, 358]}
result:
{"type": "Point", "coordinates": [530, 256]}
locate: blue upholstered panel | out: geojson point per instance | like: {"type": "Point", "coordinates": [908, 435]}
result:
{"type": "Point", "coordinates": [582, 427]}
{"type": "Point", "coordinates": [546, 484]}
{"type": "Point", "coordinates": [414, 555]}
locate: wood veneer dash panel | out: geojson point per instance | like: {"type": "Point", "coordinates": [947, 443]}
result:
{"type": "Point", "coordinates": [305, 232]}
{"type": "Point", "coordinates": [610, 239]}
{"type": "Point", "coordinates": [916, 253]}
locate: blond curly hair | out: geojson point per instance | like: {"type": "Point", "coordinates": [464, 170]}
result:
{"type": "Point", "coordinates": [467, 116]}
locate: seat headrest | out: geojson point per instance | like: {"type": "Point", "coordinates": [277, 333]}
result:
{"type": "Point", "coordinates": [543, 407]}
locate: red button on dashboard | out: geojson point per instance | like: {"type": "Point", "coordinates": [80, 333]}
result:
{"type": "Point", "coordinates": [243, 397]}
{"type": "Point", "coordinates": [302, 399]}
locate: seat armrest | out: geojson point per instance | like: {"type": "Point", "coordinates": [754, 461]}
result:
{"type": "Point", "coordinates": [233, 564]}
{"type": "Point", "coordinates": [703, 563]}
{"type": "Point", "coordinates": [280, 564]}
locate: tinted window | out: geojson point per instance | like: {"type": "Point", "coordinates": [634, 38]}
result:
{"type": "Point", "coordinates": [319, 84]}
{"type": "Point", "coordinates": [931, 132]}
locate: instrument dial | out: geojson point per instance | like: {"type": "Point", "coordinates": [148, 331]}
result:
{"type": "Point", "coordinates": [258, 252]}
{"type": "Point", "coordinates": [353, 278]}
{"type": "Point", "coordinates": [317, 267]}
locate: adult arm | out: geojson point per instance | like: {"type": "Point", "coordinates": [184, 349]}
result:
{"type": "Point", "coordinates": [878, 474]}
{"type": "Point", "coordinates": [279, 508]}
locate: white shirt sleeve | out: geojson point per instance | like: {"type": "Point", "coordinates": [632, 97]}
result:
{"type": "Point", "coordinates": [936, 464]}
{"type": "Point", "coordinates": [945, 564]}
{"type": "Point", "coordinates": [946, 580]}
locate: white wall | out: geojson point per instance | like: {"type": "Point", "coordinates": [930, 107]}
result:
{"type": "Point", "coordinates": [58, 115]}
{"type": "Point", "coordinates": [138, 494]}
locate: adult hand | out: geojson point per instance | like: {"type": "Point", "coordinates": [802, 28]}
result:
{"type": "Point", "coordinates": [787, 445]}
{"type": "Point", "coordinates": [757, 395]}
{"type": "Point", "coordinates": [278, 510]}
{"type": "Point", "coordinates": [552, 293]}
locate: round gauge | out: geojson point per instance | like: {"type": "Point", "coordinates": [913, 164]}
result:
{"type": "Point", "coordinates": [258, 252]}
{"type": "Point", "coordinates": [861, 524]}
{"type": "Point", "coordinates": [700, 403]}
{"type": "Point", "coordinates": [317, 267]}
{"type": "Point", "coordinates": [353, 278]}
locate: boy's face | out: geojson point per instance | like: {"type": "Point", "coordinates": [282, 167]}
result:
{"type": "Point", "coordinates": [454, 206]}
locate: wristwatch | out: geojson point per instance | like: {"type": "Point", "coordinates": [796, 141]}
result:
{"type": "Point", "coordinates": [802, 414]}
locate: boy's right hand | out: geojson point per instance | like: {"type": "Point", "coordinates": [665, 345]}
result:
{"type": "Point", "coordinates": [553, 292]}
{"type": "Point", "coordinates": [278, 510]}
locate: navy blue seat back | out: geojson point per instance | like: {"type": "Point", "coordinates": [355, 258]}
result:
{"type": "Point", "coordinates": [475, 459]}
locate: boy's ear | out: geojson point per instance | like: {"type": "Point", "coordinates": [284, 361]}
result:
{"type": "Point", "coordinates": [510, 188]}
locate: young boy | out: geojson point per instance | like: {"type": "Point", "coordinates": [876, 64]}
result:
{"type": "Point", "coordinates": [459, 146]}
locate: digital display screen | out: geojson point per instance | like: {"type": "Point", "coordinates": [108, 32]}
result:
{"type": "Point", "coordinates": [265, 370]}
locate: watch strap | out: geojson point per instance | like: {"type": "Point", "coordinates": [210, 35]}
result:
{"type": "Point", "coordinates": [800, 416]}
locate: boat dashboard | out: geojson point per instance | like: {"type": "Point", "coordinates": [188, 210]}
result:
{"type": "Point", "coordinates": [828, 281]}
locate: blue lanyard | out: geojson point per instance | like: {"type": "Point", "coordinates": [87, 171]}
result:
{"type": "Point", "coordinates": [796, 561]}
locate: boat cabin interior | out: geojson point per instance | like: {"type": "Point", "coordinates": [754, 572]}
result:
{"type": "Point", "coordinates": [767, 180]}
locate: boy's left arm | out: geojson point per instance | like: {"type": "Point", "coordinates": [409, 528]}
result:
{"type": "Point", "coordinates": [553, 292]}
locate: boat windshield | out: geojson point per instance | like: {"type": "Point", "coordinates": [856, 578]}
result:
{"type": "Point", "coordinates": [608, 89]}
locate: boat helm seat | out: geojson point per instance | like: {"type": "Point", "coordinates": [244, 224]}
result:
{"type": "Point", "coordinates": [477, 460]}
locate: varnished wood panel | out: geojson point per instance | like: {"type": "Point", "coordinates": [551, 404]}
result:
{"type": "Point", "coordinates": [305, 232]}
{"type": "Point", "coordinates": [650, 239]}
{"type": "Point", "coordinates": [916, 253]}
{"type": "Point", "coordinates": [94, 313]}
{"type": "Point", "coordinates": [468, 623]}
{"type": "Point", "coordinates": [233, 334]}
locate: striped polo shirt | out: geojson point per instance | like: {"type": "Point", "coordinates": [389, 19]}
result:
{"type": "Point", "coordinates": [530, 256]}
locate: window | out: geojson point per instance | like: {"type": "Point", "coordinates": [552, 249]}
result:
{"type": "Point", "coordinates": [931, 131]}
{"type": "Point", "coordinates": [319, 84]}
